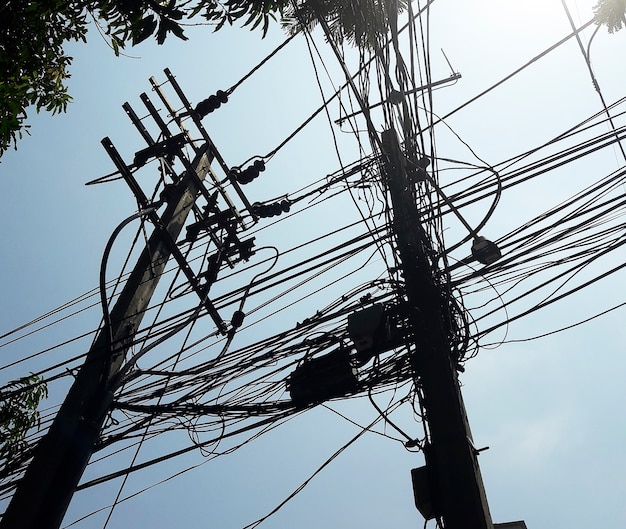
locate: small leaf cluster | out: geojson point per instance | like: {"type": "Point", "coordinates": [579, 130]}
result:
{"type": "Point", "coordinates": [133, 21]}
{"type": "Point", "coordinates": [611, 13]}
{"type": "Point", "coordinates": [251, 13]}
{"type": "Point", "coordinates": [33, 65]}
{"type": "Point", "coordinates": [362, 23]}
{"type": "Point", "coordinates": [18, 414]}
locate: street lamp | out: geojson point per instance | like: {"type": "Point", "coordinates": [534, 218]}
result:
{"type": "Point", "coordinates": [483, 250]}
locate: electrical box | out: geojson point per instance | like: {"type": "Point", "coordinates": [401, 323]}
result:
{"type": "Point", "coordinates": [368, 327]}
{"type": "Point", "coordinates": [510, 525]}
{"type": "Point", "coordinates": [322, 378]}
{"type": "Point", "coordinates": [422, 492]}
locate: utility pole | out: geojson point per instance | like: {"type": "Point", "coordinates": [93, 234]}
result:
{"type": "Point", "coordinates": [455, 488]}
{"type": "Point", "coordinates": [44, 493]}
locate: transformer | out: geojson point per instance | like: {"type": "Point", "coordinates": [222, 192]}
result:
{"type": "Point", "coordinates": [322, 378]}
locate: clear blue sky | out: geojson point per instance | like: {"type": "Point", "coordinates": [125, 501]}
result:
{"type": "Point", "coordinates": [549, 409]}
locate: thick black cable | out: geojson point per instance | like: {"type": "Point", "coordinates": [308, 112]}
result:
{"type": "Point", "coordinates": [553, 300]}
{"type": "Point", "coordinates": [562, 329]}
{"type": "Point", "coordinates": [107, 327]}
{"type": "Point", "coordinates": [258, 66]}
{"type": "Point", "coordinates": [258, 522]}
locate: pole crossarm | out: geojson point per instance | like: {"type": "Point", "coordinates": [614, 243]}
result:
{"type": "Point", "coordinates": [166, 242]}
{"type": "Point", "coordinates": [455, 482]}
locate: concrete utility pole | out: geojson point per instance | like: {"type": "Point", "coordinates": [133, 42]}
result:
{"type": "Point", "coordinates": [455, 487]}
{"type": "Point", "coordinates": [44, 493]}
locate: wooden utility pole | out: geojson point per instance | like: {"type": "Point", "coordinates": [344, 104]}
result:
{"type": "Point", "coordinates": [44, 493]}
{"type": "Point", "coordinates": [455, 485]}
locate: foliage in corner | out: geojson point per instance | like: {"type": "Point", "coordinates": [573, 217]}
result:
{"type": "Point", "coordinates": [133, 21]}
{"type": "Point", "coordinates": [33, 65]}
{"type": "Point", "coordinates": [611, 13]}
{"type": "Point", "coordinates": [18, 414]}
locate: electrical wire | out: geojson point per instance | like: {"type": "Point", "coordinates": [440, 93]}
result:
{"type": "Point", "coordinates": [242, 392]}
